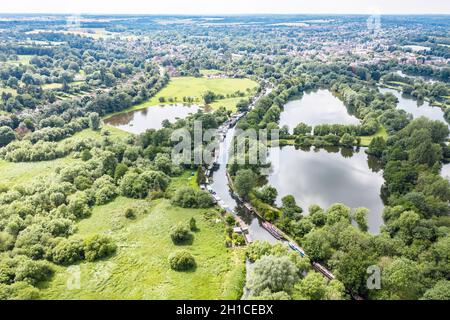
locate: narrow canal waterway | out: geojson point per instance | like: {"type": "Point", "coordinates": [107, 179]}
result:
{"type": "Point", "coordinates": [220, 186]}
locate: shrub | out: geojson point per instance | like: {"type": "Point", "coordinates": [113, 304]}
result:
{"type": "Point", "coordinates": [98, 247]}
{"type": "Point", "coordinates": [18, 291]}
{"type": "Point", "coordinates": [134, 185]}
{"type": "Point", "coordinates": [32, 272]}
{"type": "Point", "coordinates": [181, 261]}
{"type": "Point", "coordinates": [68, 251]}
{"type": "Point", "coordinates": [187, 197]}
{"type": "Point", "coordinates": [193, 224]}
{"type": "Point", "coordinates": [130, 214]}
{"type": "Point", "coordinates": [180, 234]}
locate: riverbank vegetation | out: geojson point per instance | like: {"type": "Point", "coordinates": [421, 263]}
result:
{"type": "Point", "coordinates": [416, 213]}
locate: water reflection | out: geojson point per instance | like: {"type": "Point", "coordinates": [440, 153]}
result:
{"type": "Point", "coordinates": [325, 177]}
{"type": "Point", "coordinates": [220, 186]}
{"type": "Point", "coordinates": [314, 108]}
{"type": "Point", "coordinates": [139, 121]}
{"type": "Point", "coordinates": [417, 108]}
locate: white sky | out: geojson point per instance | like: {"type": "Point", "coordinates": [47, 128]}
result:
{"type": "Point", "coordinates": [225, 6]}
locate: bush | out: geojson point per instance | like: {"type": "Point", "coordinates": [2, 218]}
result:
{"type": "Point", "coordinates": [32, 272]}
{"type": "Point", "coordinates": [18, 291]}
{"type": "Point", "coordinates": [130, 214]}
{"type": "Point", "coordinates": [187, 197]}
{"type": "Point", "coordinates": [193, 224]}
{"type": "Point", "coordinates": [134, 185]}
{"type": "Point", "coordinates": [98, 247]}
{"type": "Point", "coordinates": [181, 261]}
{"type": "Point", "coordinates": [68, 251]}
{"type": "Point", "coordinates": [180, 234]}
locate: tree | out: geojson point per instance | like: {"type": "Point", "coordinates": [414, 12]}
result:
{"type": "Point", "coordinates": [86, 155]}
{"type": "Point", "coordinates": [376, 147]}
{"type": "Point", "coordinates": [347, 140]}
{"type": "Point", "coordinates": [273, 273]}
{"type": "Point", "coordinates": [209, 97]}
{"type": "Point", "coordinates": [94, 121]}
{"type": "Point", "coordinates": [268, 194]}
{"type": "Point", "coordinates": [268, 295]}
{"type": "Point", "coordinates": [360, 216]}
{"type": "Point", "coordinates": [98, 246]}
{"type": "Point", "coordinates": [187, 197]}
{"type": "Point", "coordinates": [312, 287]}
{"type": "Point", "coordinates": [180, 234]}
{"type": "Point", "coordinates": [120, 171]}
{"type": "Point", "coordinates": [441, 291]}
{"type": "Point", "coordinates": [245, 181]}
{"type": "Point", "coordinates": [193, 224]}
{"type": "Point", "coordinates": [32, 271]}
{"type": "Point", "coordinates": [68, 251]}
{"type": "Point", "coordinates": [182, 261]}
{"type": "Point", "coordinates": [337, 213]}
{"type": "Point", "coordinates": [302, 129]}
{"type": "Point", "coordinates": [317, 245]}
{"type": "Point", "coordinates": [6, 135]}
{"type": "Point", "coordinates": [402, 279]}
{"type": "Point", "coordinates": [242, 105]}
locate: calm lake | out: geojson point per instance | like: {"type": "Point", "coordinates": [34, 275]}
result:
{"type": "Point", "coordinates": [314, 108]}
{"type": "Point", "coordinates": [139, 121]}
{"type": "Point", "coordinates": [324, 178]}
{"type": "Point", "coordinates": [416, 108]}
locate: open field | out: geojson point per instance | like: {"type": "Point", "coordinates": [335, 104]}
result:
{"type": "Point", "coordinates": [140, 269]}
{"type": "Point", "coordinates": [49, 86]}
{"type": "Point", "coordinates": [23, 59]}
{"type": "Point", "coordinates": [13, 173]}
{"type": "Point", "coordinates": [17, 173]}
{"type": "Point", "coordinates": [180, 87]}
{"type": "Point", "coordinates": [365, 140]}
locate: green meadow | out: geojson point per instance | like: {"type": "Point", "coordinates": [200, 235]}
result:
{"type": "Point", "coordinates": [140, 268]}
{"type": "Point", "coordinates": [180, 87]}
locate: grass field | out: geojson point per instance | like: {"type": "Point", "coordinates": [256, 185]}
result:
{"type": "Point", "coordinates": [49, 86]}
{"type": "Point", "coordinates": [16, 173]}
{"type": "Point", "coordinates": [12, 173]}
{"type": "Point", "coordinates": [23, 59]}
{"type": "Point", "coordinates": [180, 87]}
{"type": "Point", "coordinates": [140, 270]}
{"type": "Point", "coordinates": [381, 132]}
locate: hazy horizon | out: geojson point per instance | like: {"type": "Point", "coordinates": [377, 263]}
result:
{"type": "Point", "coordinates": [230, 7]}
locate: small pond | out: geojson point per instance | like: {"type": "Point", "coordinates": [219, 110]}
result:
{"type": "Point", "coordinates": [139, 121]}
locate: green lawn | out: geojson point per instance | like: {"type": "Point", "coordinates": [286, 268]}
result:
{"type": "Point", "coordinates": [89, 133]}
{"type": "Point", "coordinates": [16, 173]}
{"type": "Point", "coordinates": [23, 59]}
{"type": "Point", "coordinates": [12, 173]}
{"type": "Point", "coordinates": [49, 86]}
{"type": "Point", "coordinates": [180, 87]}
{"type": "Point", "coordinates": [365, 140]}
{"type": "Point", "coordinates": [140, 269]}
